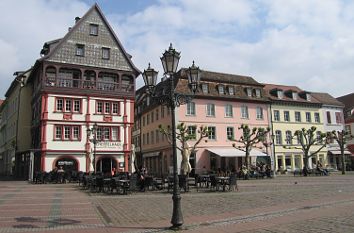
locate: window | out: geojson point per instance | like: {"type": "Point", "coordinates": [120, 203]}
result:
{"type": "Point", "coordinates": [147, 119]}
{"type": "Point", "coordinates": [115, 135]}
{"type": "Point", "coordinates": [60, 104]}
{"type": "Point", "coordinates": [191, 108]}
{"type": "Point", "coordinates": [108, 133]}
{"type": "Point", "coordinates": [299, 139]}
{"type": "Point", "coordinates": [289, 138]}
{"type": "Point", "coordinates": [93, 29]}
{"type": "Point", "coordinates": [211, 132]}
{"type": "Point", "coordinates": [228, 110]}
{"type": "Point", "coordinates": [339, 118]}
{"type": "Point", "coordinates": [67, 130]}
{"type": "Point", "coordinates": [157, 133]}
{"type": "Point", "coordinates": [295, 95]}
{"type": "Point", "coordinates": [308, 117]}
{"type": "Point", "coordinates": [230, 133]}
{"type": "Point", "coordinates": [144, 139]}
{"type": "Point", "coordinates": [249, 92]}
{"type": "Point", "coordinates": [259, 113]}
{"type": "Point", "coordinates": [244, 112]}
{"type": "Point", "coordinates": [317, 117]}
{"type": "Point", "coordinates": [280, 94]}
{"type": "Point", "coordinates": [99, 107]}
{"type": "Point", "coordinates": [58, 132]}
{"type": "Point", "coordinates": [308, 97]}
{"type": "Point", "coordinates": [68, 105]}
{"type": "Point", "coordinates": [276, 115]}
{"type": "Point", "coordinates": [143, 120]}
{"type": "Point", "coordinates": [80, 50]}
{"type": "Point", "coordinates": [157, 114]}
{"type": "Point", "coordinates": [258, 93]}
{"type": "Point", "coordinates": [221, 89]}
{"type": "Point", "coordinates": [329, 117]}
{"type": "Point", "coordinates": [205, 88]}
{"type": "Point", "coordinates": [286, 116]}
{"type": "Point", "coordinates": [76, 132]}
{"type": "Point", "coordinates": [107, 107]}
{"type": "Point", "coordinates": [231, 90]}
{"type": "Point", "coordinates": [115, 108]}
{"type": "Point", "coordinates": [152, 116]}
{"type": "Point", "coordinates": [77, 104]}
{"type": "Point", "coordinates": [162, 111]}
{"type": "Point", "coordinates": [278, 139]}
{"type": "Point", "coordinates": [148, 138]}
{"type": "Point", "coordinates": [106, 53]}
{"type": "Point", "coordinates": [319, 136]}
{"type": "Point", "coordinates": [192, 131]}
{"type": "Point", "coordinates": [152, 137]}
{"type": "Point", "coordinates": [210, 110]}
{"type": "Point", "coordinates": [297, 116]}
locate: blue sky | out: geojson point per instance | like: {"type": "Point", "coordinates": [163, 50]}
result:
{"type": "Point", "coordinates": [307, 43]}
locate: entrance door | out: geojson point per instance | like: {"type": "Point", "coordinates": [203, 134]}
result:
{"type": "Point", "coordinates": [105, 165]}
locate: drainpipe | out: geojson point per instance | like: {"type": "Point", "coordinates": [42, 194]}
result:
{"type": "Point", "coordinates": [21, 81]}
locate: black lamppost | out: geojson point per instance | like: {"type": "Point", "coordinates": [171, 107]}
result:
{"type": "Point", "coordinates": [170, 60]}
{"type": "Point", "coordinates": [93, 131]}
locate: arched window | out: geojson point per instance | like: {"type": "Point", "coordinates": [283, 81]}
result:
{"type": "Point", "coordinates": [50, 74]}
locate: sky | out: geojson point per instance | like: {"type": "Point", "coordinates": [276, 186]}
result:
{"type": "Point", "coordinates": [306, 43]}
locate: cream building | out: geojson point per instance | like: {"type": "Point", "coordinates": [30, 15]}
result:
{"type": "Point", "coordinates": [293, 109]}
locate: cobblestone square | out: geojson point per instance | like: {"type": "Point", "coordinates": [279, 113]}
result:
{"type": "Point", "coordinates": [283, 204]}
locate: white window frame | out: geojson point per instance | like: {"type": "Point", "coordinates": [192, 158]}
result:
{"type": "Point", "coordinates": [229, 110]}
{"type": "Point", "coordinates": [308, 117]}
{"type": "Point", "coordinates": [287, 116]}
{"type": "Point", "coordinates": [276, 114]}
{"type": "Point", "coordinates": [190, 109]}
{"type": "Point", "coordinates": [211, 132]}
{"type": "Point", "coordinates": [278, 137]}
{"type": "Point", "coordinates": [230, 133]}
{"type": "Point", "coordinates": [244, 112]}
{"type": "Point", "coordinates": [259, 113]}
{"type": "Point", "coordinates": [297, 116]}
{"type": "Point", "coordinates": [210, 110]}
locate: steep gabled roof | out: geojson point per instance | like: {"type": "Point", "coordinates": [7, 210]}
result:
{"type": "Point", "coordinates": [327, 99]}
{"type": "Point", "coordinates": [77, 25]}
{"type": "Point", "coordinates": [347, 100]}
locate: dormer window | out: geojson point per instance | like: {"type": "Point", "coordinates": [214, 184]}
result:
{"type": "Point", "coordinates": [280, 94]}
{"type": "Point", "coordinates": [294, 95]}
{"type": "Point", "coordinates": [258, 93]}
{"type": "Point", "coordinates": [308, 97]}
{"type": "Point", "coordinates": [249, 92]}
{"type": "Point", "coordinates": [205, 88]}
{"type": "Point", "coordinates": [231, 90]}
{"type": "Point", "coordinates": [221, 89]}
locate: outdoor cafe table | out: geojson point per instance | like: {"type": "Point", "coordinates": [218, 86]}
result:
{"type": "Point", "coordinates": [223, 181]}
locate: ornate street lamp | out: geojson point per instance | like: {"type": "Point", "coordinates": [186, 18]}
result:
{"type": "Point", "coordinates": [170, 59]}
{"type": "Point", "coordinates": [93, 131]}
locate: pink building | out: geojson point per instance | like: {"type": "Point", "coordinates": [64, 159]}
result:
{"type": "Point", "coordinates": [222, 103]}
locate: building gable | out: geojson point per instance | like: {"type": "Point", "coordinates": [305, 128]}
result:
{"type": "Point", "coordinates": [93, 45]}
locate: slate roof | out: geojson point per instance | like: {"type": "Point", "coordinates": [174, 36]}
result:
{"type": "Point", "coordinates": [271, 90]}
{"type": "Point", "coordinates": [327, 99]}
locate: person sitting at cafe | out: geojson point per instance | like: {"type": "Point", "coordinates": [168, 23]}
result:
{"type": "Point", "coordinates": [113, 172]}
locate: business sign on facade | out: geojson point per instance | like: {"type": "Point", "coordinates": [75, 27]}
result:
{"type": "Point", "coordinates": [113, 145]}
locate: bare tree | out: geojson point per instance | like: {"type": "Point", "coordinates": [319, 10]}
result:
{"type": "Point", "coordinates": [307, 138]}
{"type": "Point", "coordinates": [184, 136]}
{"type": "Point", "coordinates": [341, 137]}
{"type": "Point", "coordinates": [249, 139]}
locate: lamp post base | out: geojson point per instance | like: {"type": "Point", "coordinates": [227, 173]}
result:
{"type": "Point", "coordinates": [177, 217]}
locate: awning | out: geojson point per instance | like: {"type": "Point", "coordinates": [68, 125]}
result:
{"type": "Point", "coordinates": [233, 152]}
{"type": "Point", "coordinates": [337, 152]}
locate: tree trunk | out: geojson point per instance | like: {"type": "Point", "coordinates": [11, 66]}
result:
{"type": "Point", "coordinates": [343, 160]}
{"type": "Point", "coordinates": [247, 159]}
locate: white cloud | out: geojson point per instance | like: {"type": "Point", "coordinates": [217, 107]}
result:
{"type": "Point", "coordinates": [308, 43]}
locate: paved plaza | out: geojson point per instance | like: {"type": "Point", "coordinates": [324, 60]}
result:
{"type": "Point", "coordinates": [283, 204]}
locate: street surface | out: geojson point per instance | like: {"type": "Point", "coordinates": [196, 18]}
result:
{"type": "Point", "coordinates": [284, 204]}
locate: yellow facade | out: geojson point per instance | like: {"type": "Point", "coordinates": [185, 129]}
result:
{"type": "Point", "coordinates": [292, 159]}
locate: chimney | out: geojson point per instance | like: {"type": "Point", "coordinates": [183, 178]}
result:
{"type": "Point", "coordinates": [69, 29]}
{"type": "Point", "coordinates": [77, 19]}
